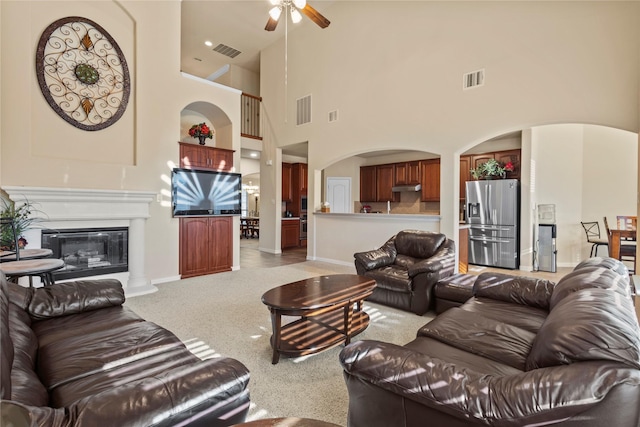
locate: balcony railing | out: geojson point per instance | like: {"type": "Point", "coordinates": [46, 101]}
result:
{"type": "Point", "coordinates": [250, 115]}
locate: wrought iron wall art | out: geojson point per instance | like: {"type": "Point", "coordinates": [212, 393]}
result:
{"type": "Point", "coordinates": [82, 73]}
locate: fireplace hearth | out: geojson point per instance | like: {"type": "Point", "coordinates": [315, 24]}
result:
{"type": "Point", "coordinates": [88, 251]}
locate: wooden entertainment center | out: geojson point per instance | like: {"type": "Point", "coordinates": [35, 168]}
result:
{"type": "Point", "coordinates": [206, 243]}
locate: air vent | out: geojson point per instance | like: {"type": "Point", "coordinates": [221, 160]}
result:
{"type": "Point", "coordinates": [303, 110]}
{"type": "Point", "coordinates": [473, 79]}
{"type": "Point", "coordinates": [226, 50]}
{"type": "Point", "coordinates": [333, 116]}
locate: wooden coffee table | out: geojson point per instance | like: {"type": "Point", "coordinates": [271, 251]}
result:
{"type": "Point", "coordinates": [330, 311]}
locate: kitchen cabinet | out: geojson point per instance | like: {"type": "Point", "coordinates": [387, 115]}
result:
{"type": "Point", "coordinates": [407, 173]}
{"type": "Point", "coordinates": [287, 184]}
{"type": "Point", "coordinates": [299, 178]}
{"type": "Point", "coordinates": [290, 233]}
{"type": "Point", "coordinates": [368, 184]}
{"type": "Point", "coordinates": [512, 156]}
{"type": "Point", "coordinates": [205, 245]}
{"type": "Point", "coordinates": [465, 175]}
{"type": "Point", "coordinates": [463, 249]}
{"type": "Point", "coordinates": [384, 183]}
{"type": "Point", "coordinates": [430, 180]}
{"type": "Point", "coordinates": [194, 156]}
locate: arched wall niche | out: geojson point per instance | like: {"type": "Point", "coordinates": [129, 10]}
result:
{"type": "Point", "coordinates": [212, 115]}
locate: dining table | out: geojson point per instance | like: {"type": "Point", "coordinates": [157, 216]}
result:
{"type": "Point", "coordinates": [616, 238]}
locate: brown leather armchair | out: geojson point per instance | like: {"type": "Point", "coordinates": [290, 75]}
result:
{"type": "Point", "coordinates": [407, 267]}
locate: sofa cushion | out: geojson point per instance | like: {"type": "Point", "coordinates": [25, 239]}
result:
{"type": "Point", "coordinates": [6, 346]}
{"type": "Point", "coordinates": [480, 335]}
{"type": "Point", "coordinates": [392, 277]}
{"type": "Point", "coordinates": [100, 351]}
{"type": "Point", "coordinates": [590, 277]}
{"type": "Point", "coordinates": [405, 261]}
{"type": "Point", "coordinates": [418, 244]}
{"type": "Point", "coordinates": [514, 289]}
{"type": "Point", "coordinates": [521, 316]}
{"type": "Point", "coordinates": [589, 324]}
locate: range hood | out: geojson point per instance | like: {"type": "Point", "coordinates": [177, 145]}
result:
{"type": "Point", "coordinates": [401, 188]}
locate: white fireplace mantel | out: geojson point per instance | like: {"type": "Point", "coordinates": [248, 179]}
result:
{"type": "Point", "coordinates": [80, 208]}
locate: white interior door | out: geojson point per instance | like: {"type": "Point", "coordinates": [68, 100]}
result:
{"type": "Point", "coordinates": [339, 194]}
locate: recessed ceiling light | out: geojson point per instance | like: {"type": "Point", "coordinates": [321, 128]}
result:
{"type": "Point", "coordinates": [254, 154]}
{"type": "Point", "coordinates": [208, 43]}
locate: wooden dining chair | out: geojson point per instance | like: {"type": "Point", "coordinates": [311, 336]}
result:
{"type": "Point", "coordinates": [627, 222]}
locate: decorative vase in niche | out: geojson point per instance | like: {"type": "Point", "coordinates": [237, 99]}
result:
{"type": "Point", "coordinates": [202, 138]}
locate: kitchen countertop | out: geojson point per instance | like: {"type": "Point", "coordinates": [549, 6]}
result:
{"type": "Point", "coordinates": [291, 218]}
{"type": "Point", "coordinates": [382, 216]}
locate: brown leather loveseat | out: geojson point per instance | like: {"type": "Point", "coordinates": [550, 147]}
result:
{"type": "Point", "coordinates": [520, 352]}
{"type": "Point", "coordinates": [407, 267]}
{"type": "Point", "coordinates": [73, 355]}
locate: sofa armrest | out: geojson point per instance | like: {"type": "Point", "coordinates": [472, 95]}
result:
{"type": "Point", "coordinates": [74, 297]}
{"type": "Point", "coordinates": [370, 260]}
{"type": "Point", "coordinates": [443, 260]}
{"type": "Point", "coordinates": [515, 289]}
{"type": "Point", "coordinates": [528, 398]}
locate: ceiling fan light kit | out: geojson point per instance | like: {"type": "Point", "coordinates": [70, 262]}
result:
{"type": "Point", "coordinates": [295, 8]}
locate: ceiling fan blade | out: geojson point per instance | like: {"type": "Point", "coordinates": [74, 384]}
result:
{"type": "Point", "coordinates": [271, 24]}
{"type": "Point", "coordinates": [315, 16]}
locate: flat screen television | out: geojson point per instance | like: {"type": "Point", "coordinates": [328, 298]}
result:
{"type": "Point", "coordinates": [205, 193]}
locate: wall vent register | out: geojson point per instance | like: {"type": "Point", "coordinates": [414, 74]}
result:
{"type": "Point", "coordinates": [473, 79]}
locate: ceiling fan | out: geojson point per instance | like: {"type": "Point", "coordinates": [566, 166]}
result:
{"type": "Point", "coordinates": [295, 7]}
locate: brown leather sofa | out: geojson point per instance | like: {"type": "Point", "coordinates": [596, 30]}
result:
{"type": "Point", "coordinates": [73, 355]}
{"type": "Point", "coordinates": [520, 352]}
{"type": "Point", "coordinates": [407, 267]}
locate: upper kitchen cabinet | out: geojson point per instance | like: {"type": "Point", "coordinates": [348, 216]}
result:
{"type": "Point", "coordinates": [287, 182]}
{"type": "Point", "coordinates": [430, 180]}
{"type": "Point", "coordinates": [407, 173]}
{"type": "Point", "coordinates": [465, 175]}
{"type": "Point", "coordinates": [299, 177]}
{"type": "Point", "coordinates": [368, 184]}
{"type": "Point", "coordinates": [384, 183]}
{"type": "Point", "coordinates": [512, 156]}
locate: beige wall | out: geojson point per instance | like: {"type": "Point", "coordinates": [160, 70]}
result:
{"type": "Point", "coordinates": [401, 87]}
{"type": "Point", "coordinates": [39, 149]}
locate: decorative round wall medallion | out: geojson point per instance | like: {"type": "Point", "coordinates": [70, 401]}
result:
{"type": "Point", "coordinates": [82, 73]}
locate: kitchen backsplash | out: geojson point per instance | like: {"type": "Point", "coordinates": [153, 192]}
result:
{"type": "Point", "coordinates": [409, 204]}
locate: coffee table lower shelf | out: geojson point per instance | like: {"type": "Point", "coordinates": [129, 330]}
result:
{"type": "Point", "coordinates": [310, 335]}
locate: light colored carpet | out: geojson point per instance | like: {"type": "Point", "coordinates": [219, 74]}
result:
{"type": "Point", "coordinates": [222, 314]}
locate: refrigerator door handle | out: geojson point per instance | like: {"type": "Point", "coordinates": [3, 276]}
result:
{"type": "Point", "coordinates": [491, 228]}
{"type": "Point", "coordinates": [484, 239]}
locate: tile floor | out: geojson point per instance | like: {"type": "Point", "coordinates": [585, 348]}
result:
{"type": "Point", "coordinates": [252, 257]}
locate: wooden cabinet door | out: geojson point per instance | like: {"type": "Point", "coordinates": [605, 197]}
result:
{"type": "Point", "coordinates": [194, 246]}
{"type": "Point", "coordinates": [287, 187]}
{"type": "Point", "coordinates": [368, 184]}
{"type": "Point", "coordinates": [220, 244]}
{"type": "Point", "coordinates": [384, 183]}
{"type": "Point", "coordinates": [430, 180]}
{"type": "Point", "coordinates": [407, 173]}
{"type": "Point", "coordinates": [300, 178]}
{"type": "Point", "coordinates": [290, 233]}
{"type": "Point", "coordinates": [194, 156]}
{"type": "Point", "coordinates": [465, 175]}
{"type": "Point", "coordinates": [512, 156]}
{"type": "Point", "coordinates": [220, 159]}
{"type": "Point", "coordinates": [478, 159]}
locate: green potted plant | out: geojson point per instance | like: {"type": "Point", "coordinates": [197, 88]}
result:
{"type": "Point", "coordinates": [23, 219]}
{"type": "Point", "coordinates": [491, 168]}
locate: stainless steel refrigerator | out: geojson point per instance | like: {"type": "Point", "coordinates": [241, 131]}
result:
{"type": "Point", "coordinates": [493, 215]}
